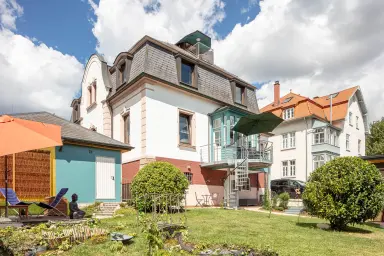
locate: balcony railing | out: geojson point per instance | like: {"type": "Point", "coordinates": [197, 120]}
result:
{"type": "Point", "coordinates": [257, 151]}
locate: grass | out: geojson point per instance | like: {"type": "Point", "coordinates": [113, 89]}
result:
{"type": "Point", "coordinates": [253, 229]}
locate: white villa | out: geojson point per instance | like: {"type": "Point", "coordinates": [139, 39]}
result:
{"type": "Point", "coordinates": [172, 103]}
{"type": "Point", "coordinates": [316, 130]}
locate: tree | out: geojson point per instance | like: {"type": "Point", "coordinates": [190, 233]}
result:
{"type": "Point", "coordinates": [375, 140]}
{"type": "Point", "coordinates": [346, 190]}
{"type": "Point", "coordinates": [160, 178]}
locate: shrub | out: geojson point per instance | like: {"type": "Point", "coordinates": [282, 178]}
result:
{"type": "Point", "coordinates": [266, 200]}
{"type": "Point", "coordinates": [128, 211]}
{"type": "Point", "coordinates": [346, 190]}
{"type": "Point", "coordinates": [284, 199]}
{"type": "Point", "coordinates": [157, 178]}
{"type": "Point", "coordinates": [275, 198]}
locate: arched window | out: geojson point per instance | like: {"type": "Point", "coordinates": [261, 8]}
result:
{"type": "Point", "coordinates": [94, 92]}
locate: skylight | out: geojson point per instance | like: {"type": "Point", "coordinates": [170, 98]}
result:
{"type": "Point", "coordinates": [333, 95]}
{"type": "Point", "coordinates": [287, 100]}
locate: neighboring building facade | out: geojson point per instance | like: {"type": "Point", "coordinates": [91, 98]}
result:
{"type": "Point", "coordinates": [88, 163]}
{"type": "Point", "coordinates": [316, 130]}
{"type": "Point", "coordinates": [172, 103]}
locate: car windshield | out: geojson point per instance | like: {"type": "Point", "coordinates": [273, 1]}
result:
{"type": "Point", "coordinates": [301, 182]}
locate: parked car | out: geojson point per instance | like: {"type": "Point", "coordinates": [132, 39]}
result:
{"type": "Point", "coordinates": [286, 185]}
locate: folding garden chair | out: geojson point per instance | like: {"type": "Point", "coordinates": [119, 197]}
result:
{"type": "Point", "coordinates": [14, 201]}
{"type": "Point", "coordinates": [12, 197]}
{"type": "Point", "coordinates": [199, 201]}
{"type": "Point", "coordinates": [55, 202]}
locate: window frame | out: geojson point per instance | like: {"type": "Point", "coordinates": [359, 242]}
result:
{"type": "Point", "coordinates": [350, 118]}
{"type": "Point", "coordinates": [287, 168]}
{"type": "Point", "coordinates": [188, 120]}
{"type": "Point", "coordinates": [317, 133]}
{"type": "Point", "coordinates": [216, 139]}
{"type": "Point", "coordinates": [287, 142]}
{"type": "Point", "coordinates": [242, 94]}
{"type": "Point", "coordinates": [323, 161]}
{"type": "Point", "coordinates": [192, 66]}
{"type": "Point", "coordinates": [347, 142]}
{"type": "Point", "coordinates": [122, 73]}
{"type": "Point", "coordinates": [189, 176]}
{"type": "Point", "coordinates": [127, 128]}
{"type": "Point", "coordinates": [288, 113]}
{"type": "Point", "coordinates": [359, 146]}
{"type": "Point", "coordinates": [191, 129]}
{"type": "Point", "coordinates": [357, 122]}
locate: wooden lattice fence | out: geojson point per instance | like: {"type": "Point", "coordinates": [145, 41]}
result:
{"type": "Point", "coordinates": [32, 174]}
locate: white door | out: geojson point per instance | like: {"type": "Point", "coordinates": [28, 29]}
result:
{"type": "Point", "coordinates": [105, 177]}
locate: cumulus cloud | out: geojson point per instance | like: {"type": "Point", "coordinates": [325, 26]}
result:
{"type": "Point", "coordinates": [312, 47]}
{"type": "Point", "coordinates": [121, 23]}
{"type": "Point", "coordinates": [33, 76]}
{"type": "Point", "coordinates": [9, 11]}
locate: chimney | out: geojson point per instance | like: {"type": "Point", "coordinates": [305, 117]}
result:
{"type": "Point", "coordinates": [276, 93]}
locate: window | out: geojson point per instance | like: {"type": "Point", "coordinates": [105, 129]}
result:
{"type": "Point", "coordinates": [285, 168]}
{"type": "Point", "coordinates": [347, 141]}
{"type": "Point", "coordinates": [333, 95]}
{"type": "Point", "coordinates": [359, 147]}
{"type": "Point", "coordinates": [127, 128]}
{"type": "Point", "coordinates": [289, 168]}
{"type": "Point", "coordinates": [184, 128]}
{"type": "Point", "coordinates": [239, 94]}
{"type": "Point", "coordinates": [288, 113]}
{"type": "Point", "coordinates": [287, 100]}
{"type": "Point", "coordinates": [90, 98]}
{"type": "Point", "coordinates": [186, 73]}
{"type": "Point", "coordinates": [123, 73]}
{"type": "Point", "coordinates": [94, 92]}
{"type": "Point", "coordinates": [357, 122]}
{"type": "Point", "coordinates": [333, 138]}
{"type": "Point", "coordinates": [188, 175]}
{"type": "Point", "coordinates": [319, 136]}
{"type": "Point", "coordinates": [217, 131]}
{"type": "Point", "coordinates": [246, 186]}
{"type": "Point", "coordinates": [232, 132]}
{"type": "Point", "coordinates": [350, 119]}
{"type": "Point", "coordinates": [292, 168]}
{"type": "Point", "coordinates": [289, 140]}
{"type": "Point", "coordinates": [318, 161]}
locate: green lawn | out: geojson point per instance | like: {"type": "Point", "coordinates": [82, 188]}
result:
{"type": "Point", "coordinates": [253, 229]}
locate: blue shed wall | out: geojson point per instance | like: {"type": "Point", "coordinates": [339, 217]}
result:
{"type": "Point", "coordinates": [76, 170]}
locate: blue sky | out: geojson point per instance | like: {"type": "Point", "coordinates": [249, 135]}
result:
{"type": "Point", "coordinates": [312, 47]}
{"type": "Point", "coordinates": [67, 25]}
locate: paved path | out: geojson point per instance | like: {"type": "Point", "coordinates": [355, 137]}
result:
{"type": "Point", "coordinates": [259, 209]}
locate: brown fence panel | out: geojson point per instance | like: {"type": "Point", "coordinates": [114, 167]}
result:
{"type": "Point", "coordinates": [126, 192]}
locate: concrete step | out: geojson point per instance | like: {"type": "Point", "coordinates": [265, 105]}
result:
{"type": "Point", "coordinates": [295, 203]}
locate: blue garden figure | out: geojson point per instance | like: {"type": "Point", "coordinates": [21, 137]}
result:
{"type": "Point", "coordinates": [74, 211]}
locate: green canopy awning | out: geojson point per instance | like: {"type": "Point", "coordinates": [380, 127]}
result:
{"type": "Point", "coordinates": [257, 123]}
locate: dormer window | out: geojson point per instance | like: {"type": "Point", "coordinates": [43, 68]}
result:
{"type": "Point", "coordinates": [123, 73]}
{"type": "Point", "coordinates": [288, 113]}
{"type": "Point", "coordinates": [240, 94]}
{"type": "Point", "coordinates": [187, 73]}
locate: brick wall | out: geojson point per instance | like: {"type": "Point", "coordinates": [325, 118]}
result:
{"type": "Point", "coordinates": [200, 176]}
{"type": "Point", "coordinates": [130, 170]}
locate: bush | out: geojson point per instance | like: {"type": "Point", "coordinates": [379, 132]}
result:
{"type": "Point", "coordinates": [266, 200]}
{"type": "Point", "coordinates": [346, 190]}
{"type": "Point", "coordinates": [284, 199]}
{"type": "Point", "coordinates": [157, 178]}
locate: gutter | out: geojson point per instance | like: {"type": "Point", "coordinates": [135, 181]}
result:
{"type": "Point", "coordinates": [90, 143]}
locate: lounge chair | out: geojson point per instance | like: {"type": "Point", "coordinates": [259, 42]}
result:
{"type": "Point", "coordinates": [12, 197]}
{"type": "Point", "coordinates": [55, 202]}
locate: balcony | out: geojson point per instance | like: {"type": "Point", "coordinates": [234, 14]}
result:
{"type": "Point", "coordinates": [215, 156]}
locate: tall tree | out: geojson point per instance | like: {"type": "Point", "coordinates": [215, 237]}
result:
{"type": "Point", "coordinates": [375, 140]}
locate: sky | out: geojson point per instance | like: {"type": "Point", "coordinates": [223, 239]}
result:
{"type": "Point", "coordinates": [312, 47]}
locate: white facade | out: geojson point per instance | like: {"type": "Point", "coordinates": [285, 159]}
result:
{"type": "Point", "coordinates": [92, 114]}
{"type": "Point", "coordinates": [304, 151]}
